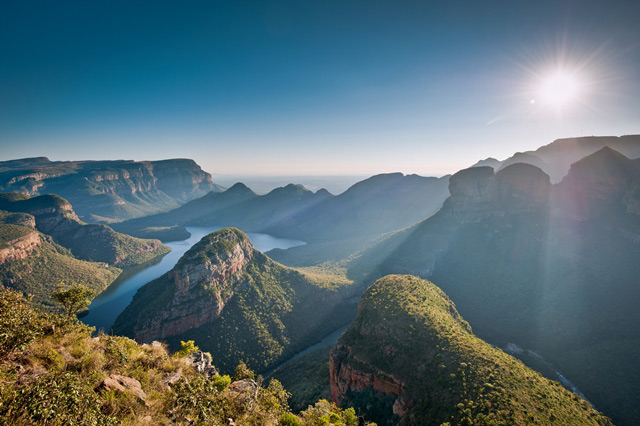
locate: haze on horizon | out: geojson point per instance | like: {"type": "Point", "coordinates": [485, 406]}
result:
{"type": "Point", "coordinates": [314, 88]}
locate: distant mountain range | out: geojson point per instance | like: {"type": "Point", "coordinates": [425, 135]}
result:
{"type": "Point", "coordinates": [556, 158]}
{"type": "Point", "coordinates": [107, 191]}
{"type": "Point", "coordinates": [376, 205]}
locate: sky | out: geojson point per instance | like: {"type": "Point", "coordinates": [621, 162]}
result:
{"type": "Point", "coordinates": [314, 87]}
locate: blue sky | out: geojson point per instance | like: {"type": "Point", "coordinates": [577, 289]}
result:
{"type": "Point", "coordinates": [311, 87]}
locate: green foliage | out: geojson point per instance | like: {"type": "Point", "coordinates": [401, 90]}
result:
{"type": "Point", "coordinates": [307, 378]}
{"type": "Point", "coordinates": [409, 331]}
{"type": "Point", "coordinates": [59, 398]}
{"type": "Point", "coordinates": [243, 372]}
{"type": "Point", "coordinates": [288, 419]}
{"type": "Point", "coordinates": [39, 273]}
{"type": "Point", "coordinates": [187, 348]}
{"type": "Point", "coordinates": [19, 324]}
{"type": "Point", "coordinates": [73, 298]}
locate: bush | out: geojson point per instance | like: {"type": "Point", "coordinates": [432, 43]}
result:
{"type": "Point", "coordinates": [288, 419]}
{"type": "Point", "coordinates": [19, 324]}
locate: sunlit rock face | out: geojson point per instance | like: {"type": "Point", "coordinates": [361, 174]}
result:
{"type": "Point", "coordinates": [203, 282]}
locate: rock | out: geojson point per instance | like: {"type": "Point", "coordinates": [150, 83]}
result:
{"type": "Point", "coordinates": [205, 278]}
{"type": "Point", "coordinates": [344, 378]}
{"type": "Point", "coordinates": [245, 387]}
{"type": "Point", "coordinates": [122, 384]}
{"type": "Point", "coordinates": [201, 362]}
{"type": "Point", "coordinates": [172, 378]}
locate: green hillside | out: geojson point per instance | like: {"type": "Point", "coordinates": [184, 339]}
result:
{"type": "Point", "coordinates": [40, 272]}
{"type": "Point", "coordinates": [429, 368]}
{"type": "Point", "coordinates": [238, 304]}
{"type": "Point", "coordinates": [54, 372]}
{"type": "Point", "coordinates": [55, 217]}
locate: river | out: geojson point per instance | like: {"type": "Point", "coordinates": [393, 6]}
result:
{"type": "Point", "coordinates": [105, 308]}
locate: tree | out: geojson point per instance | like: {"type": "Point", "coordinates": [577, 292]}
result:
{"type": "Point", "coordinates": [243, 372]}
{"type": "Point", "coordinates": [74, 298]}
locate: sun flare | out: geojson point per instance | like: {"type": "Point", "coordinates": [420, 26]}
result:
{"type": "Point", "coordinates": [559, 90]}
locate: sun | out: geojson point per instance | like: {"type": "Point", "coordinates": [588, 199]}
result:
{"type": "Point", "coordinates": [559, 89]}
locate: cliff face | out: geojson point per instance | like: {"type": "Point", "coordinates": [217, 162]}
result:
{"type": "Point", "coordinates": [54, 216]}
{"type": "Point", "coordinates": [110, 190]}
{"type": "Point", "coordinates": [19, 248]}
{"type": "Point", "coordinates": [201, 286]}
{"type": "Point", "coordinates": [410, 358]}
{"type": "Point", "coordinates": [236, 303]}
{"type": "Point", "coordinates": [478, 192]}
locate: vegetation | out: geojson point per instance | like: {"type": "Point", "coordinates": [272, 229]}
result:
{"type": "Point", "coordinates": [40, 272]}
{"type": "Point", "coordinates": [275, 311]}
{"type": "Point", "coordinates": [55, 217]}
{"type": "Point", "coordinates": [73, 299]}
{"type": "Point", "coordinates": [54, 372]}
{"type": "Point", "coordinates": [408, 329]}
{"type": "Point", "coordinates": [307, 378]}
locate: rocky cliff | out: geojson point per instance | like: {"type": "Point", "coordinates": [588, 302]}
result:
{"type": "Point", "coordinates": [236, 303]}
{"type": "Point", "coordinates": [20, 246]}
{"type": "Point", "coordinates": [478, 192]}
{"type": "Point", "coordinates": [54, 216]}
{"type": "Point", "coordinates": [410, 358]}
{"type": "Point", "coordinates": [109, 190]}
{"type": "Point", "coordinates": [203, 282]}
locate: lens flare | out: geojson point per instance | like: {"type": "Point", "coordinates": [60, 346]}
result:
{"type": "Point", "coordinates": [559, 89]}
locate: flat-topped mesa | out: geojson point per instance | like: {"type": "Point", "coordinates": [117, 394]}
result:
{"type": "Point", "coordinates": [478, 192]}
{"type": "Point", "coordinates": [200, 284]}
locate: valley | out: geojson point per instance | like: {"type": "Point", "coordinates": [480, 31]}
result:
{"type": "Point", "coordinates": [528, 262]}
{"type": "Point", "coordinates": [105, 308]}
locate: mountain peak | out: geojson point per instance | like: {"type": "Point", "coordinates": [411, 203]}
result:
{"type": "Point", "coordinates": [239, 188]}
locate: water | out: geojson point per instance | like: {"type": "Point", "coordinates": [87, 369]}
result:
{"type": "Point", "coordinates": [105, 308]}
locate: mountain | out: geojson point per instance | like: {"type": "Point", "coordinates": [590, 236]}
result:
{"type": "Point", "coordinates": [54, 216]}
{"type": "Point", "coordinates": [550, 269]}
{"type": "Point", "coordinates": [379, 204]}
{"type": "Point", "coordinates": [373, 206]}
{"type": "Point", "coordinates": [56, 373]}
{"type": "Point", "coordinates": [410, 358]}
{"type": "Point", "coordinates": [33, 263]}
{"type": "Point", "coordinates": [107, 191]}
{"type": "Point", "coordinates": [556, 158]}
{"type": "Point", "coordinates": [42, 242]}
{"type": "Point", "coordinates": [237, 304]}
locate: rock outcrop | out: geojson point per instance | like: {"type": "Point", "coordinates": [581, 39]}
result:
{"type": "Point", "coordinates": [20, 248]}
{"type": "Point", "coordinates": [201, 285]}
{"type": "Point", "coordinates": [478, 192]}
{"type": "Point", "coordinates": [54, 216]}
{"type": "Point", "coordinates": [237, 304]}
